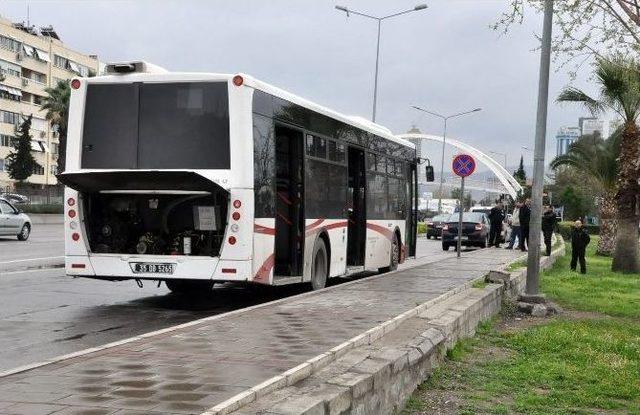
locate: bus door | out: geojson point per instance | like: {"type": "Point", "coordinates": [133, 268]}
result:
{"type": "Point", "coordinates": [357, 217]}
{"type": "Point", "coordinates": [289, 238]}
{"type": "Point", "coordinates": [412, 214]}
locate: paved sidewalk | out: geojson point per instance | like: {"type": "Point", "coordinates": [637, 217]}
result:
{"type": "Point", "coordinates": [191, 369]}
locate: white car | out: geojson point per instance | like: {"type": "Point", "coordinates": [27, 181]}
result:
{"type": "Point", "coordinates": [13, 222]}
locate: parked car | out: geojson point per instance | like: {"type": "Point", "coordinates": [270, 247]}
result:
{"type": "Point", "coordinates": [13, 222]}
{"type": "Point", "coordinates": [475, 230]}
{"type": "Point", "coordinates": [434, 226]}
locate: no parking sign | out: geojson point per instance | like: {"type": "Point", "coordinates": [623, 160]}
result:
{"type": "Point", "coordinates": [463, 165]}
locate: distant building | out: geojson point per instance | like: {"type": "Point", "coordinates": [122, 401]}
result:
{"type": "Point", "coordinates": [565, 137]}
{"type": "Point", "coordinates": [30, 61]}
{"type": "Point", "coordinates": [590, 126]}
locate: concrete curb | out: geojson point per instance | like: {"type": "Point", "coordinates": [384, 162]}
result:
{"type": "Point", "coordinates": [190, 324]}
{"type": "Point", "coordinates": [314, 364]}
{"type": "Point", "coordinates": [32, 263]}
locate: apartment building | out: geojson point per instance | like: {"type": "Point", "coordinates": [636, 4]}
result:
{"type": "Point", "coordinates": [31, 60]}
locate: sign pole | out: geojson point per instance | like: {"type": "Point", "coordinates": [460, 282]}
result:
{"type": "Point", "coordinates": [459, 244]}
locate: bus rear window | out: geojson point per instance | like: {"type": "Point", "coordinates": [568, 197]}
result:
{"type": "Point", "coordinates": [156, 126]}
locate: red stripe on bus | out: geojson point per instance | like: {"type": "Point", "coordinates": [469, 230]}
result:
{"type": "Point", "coordinates": [381, 230]}
{"type": "Point", "coordinates": [336, 225]}
{"type": "Point", "coordinates": [263, 229]}
{"type": "Point", "coordinates": [284, 198]}
{"type": "Point", "coordinates": [314, 224]}
{"type": "Point", "coordinates": [262, 275]}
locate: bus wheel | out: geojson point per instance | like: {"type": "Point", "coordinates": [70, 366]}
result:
{"type": "Point", "coordinates": [320, 266]}
{"type": "Point", "coordinates": [187, 287]}
{"type": "Point", "coordinates": [394, 257]}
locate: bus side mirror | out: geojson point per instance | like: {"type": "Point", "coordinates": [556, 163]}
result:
{"type": "Point", "coordinates": [429, 173]}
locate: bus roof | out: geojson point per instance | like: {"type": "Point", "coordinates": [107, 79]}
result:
{"type": "Point", "coordinates": [159, 76]}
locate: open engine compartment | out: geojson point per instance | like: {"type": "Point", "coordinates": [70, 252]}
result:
{"type": "Point", "coordinates": [156, 222]}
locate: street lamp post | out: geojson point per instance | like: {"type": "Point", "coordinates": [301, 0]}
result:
{"type": "Point", "coordinates": [501, 154]}
{"type": "Point", "coordinates": [379, 20]}
{"type": "Point", "coordinates": [533, 261]}
{"type": "Point", "coordinates": [444, 118]}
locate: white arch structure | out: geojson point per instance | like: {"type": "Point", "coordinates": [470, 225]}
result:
{"type": "Point", "coordinates": [508, 181]}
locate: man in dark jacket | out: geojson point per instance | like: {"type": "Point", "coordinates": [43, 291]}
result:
{"type": "Point", "coordinates": [496, 217]}
{"type": "Point", "coordinates": [579, 241]}
{"type": "Point", "coordinates": [525, 218]}
{"type": "Point", "coordinates": [548, 226]}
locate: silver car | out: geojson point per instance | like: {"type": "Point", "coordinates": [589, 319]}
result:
{"type": "Point", "coordinates": [13, 222]}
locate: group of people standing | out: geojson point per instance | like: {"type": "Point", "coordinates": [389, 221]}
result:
{"type": "Point", "coordinates": [519, 224]}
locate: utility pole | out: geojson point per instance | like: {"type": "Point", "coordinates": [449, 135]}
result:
{"type": "Point", "coordinates": [533, 260]}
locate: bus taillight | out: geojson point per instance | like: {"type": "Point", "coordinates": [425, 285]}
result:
{"type": "Point", "coordinates": [236, 216]}
{"type": "Point", "coordinates": [72, 213]}
{"type": "Point", "coordinates": [71, 201]}
{"type": "Point", "coordinates": [75, 236]}
{"type": "Point", "coordinates": [232, 240]}
{"type": "Point", "coordinates": [237, 204]}
{"type": "Point", "coordinates": [75, 84]}
{"type": "Point", "coordinates": [80, 266]}
{"type": "Point", "coordinates": [238, 80]}
{"type": "Point", "coordinates": [228, 270]}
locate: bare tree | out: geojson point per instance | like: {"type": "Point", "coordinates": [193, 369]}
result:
{"type": "Point", "coordinates": [584, 28]}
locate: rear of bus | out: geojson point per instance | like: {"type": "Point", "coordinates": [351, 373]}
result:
{"type": "Point", "coordinates": [151, 191]}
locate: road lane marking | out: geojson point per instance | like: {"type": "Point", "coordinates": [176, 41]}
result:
{"type": "Point", "coordinates": [2, 273]}
{"type": "Point", "coordinates": [31, 259]}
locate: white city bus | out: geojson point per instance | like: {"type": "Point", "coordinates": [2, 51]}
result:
{"type": "Point", "coordinates": [196, 178]}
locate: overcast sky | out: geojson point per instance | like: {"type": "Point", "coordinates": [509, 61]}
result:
{"type": "Point", "coordinates": [445, 58]}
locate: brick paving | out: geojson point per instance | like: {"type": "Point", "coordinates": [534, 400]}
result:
{"type": "Point", "coordinates": [191, 369]}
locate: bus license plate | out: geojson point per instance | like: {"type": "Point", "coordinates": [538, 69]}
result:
{"type": "Point", "coordinates": [152, 268]}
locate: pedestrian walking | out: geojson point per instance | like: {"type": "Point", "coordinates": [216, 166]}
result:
{"type": "Point", "coordinates": [515, 226]}
{"type": "Point", "coordinates": [579, 241]}
{"type": "Point", "coordinates": [548, 226]}
{"type": "Point", "coordinates": [525, 218]}
{"type": "Point", "coordinates": [496, 217]}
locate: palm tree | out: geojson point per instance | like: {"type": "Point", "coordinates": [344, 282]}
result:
{"type": "Point", "coordinates": [596, 160]}
{"type": "Point", "coordinates": [619, 84]}
{"type": "Point", "coordinates": [57, 106]}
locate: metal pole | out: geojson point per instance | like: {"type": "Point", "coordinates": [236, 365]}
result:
{"type": "Point", "coordinates": [444, 139]}
{"type": "Point", "coordinates": [459, 244]}
{"type": "Point", "coordinates": [533, 263]}
{"type": "Point", "coordinates": [375, 84]}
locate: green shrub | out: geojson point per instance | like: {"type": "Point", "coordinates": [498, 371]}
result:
{"type": "Point", "coordinates": [41, 208]}
{"type": "Point", "coordinates": [565, 229]}
{"type": "Point", "coordinates": [422, 227]}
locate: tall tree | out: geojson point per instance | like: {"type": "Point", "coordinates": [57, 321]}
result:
{"type": "Point", "coordinates": [56, 103]}
{"type": "Point", "coordinates": [619, 89]}
{"type": "Point", "coordinates": [521, 175]}
{"type": "Point", "coordinates": [20, 161]}
{"type": "Point", "coordinates": [596, 161]}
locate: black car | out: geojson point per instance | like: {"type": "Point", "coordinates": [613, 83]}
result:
{"type": "Point", "coordinates": [434, 226]}
{"type": "Point", "coordinates": [475, 230]}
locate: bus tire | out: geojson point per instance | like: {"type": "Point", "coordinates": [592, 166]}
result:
{"type": "Point", "coordinates": [187, 287]}
{"type": "Point", "coordinates": [394, 257]}
{"type": "Point", "coordinates": [319, 266]}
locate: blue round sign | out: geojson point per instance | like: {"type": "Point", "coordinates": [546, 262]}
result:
{"type": "Point", "coordinates": [463, 165]}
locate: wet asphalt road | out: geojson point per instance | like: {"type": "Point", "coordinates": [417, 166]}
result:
{"type": "Point", "coordinates": [45, 243]}
{"type": "Point", "coordinates": [44, 313]}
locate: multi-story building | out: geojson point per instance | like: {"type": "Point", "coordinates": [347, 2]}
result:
{"type": "Point", "coordinates": [30, 61]}
{"type": "Point", "coordinates": [565, 137]}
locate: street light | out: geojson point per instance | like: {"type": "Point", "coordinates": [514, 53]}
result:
{"type": "Point", "coordinates": [444, 139]}
{"type": "Point", "coordinates": [501, 154]}
{"type": "Point", "coordinates": [379, 20]}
